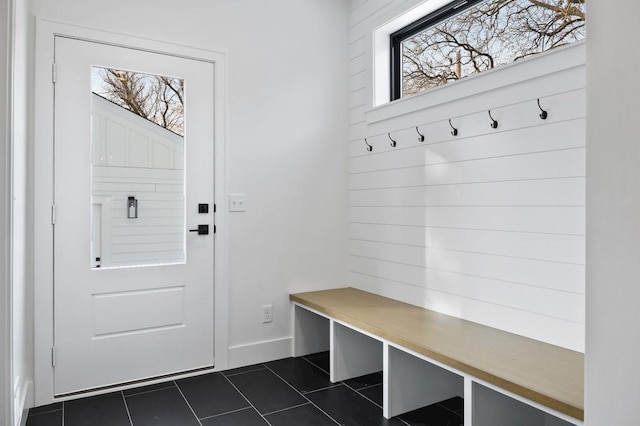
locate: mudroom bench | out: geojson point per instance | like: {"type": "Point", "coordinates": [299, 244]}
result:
{"type": "Point", "coordinates": [427, 357]}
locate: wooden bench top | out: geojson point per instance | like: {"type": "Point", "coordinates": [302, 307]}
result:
{"type": "Point", "coordinates": [544, 373]}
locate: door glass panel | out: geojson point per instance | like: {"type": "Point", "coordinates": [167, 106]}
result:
{"type": "Point", "coordinates": [137, 169]}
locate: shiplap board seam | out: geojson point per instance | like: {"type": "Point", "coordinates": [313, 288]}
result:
{"type": "Point", "coordinates": [531, 219]}
{"type": "Point", "coordinates": [391, 12]}
{"type": "Point", "coordinates": [358, 82]}
{"type": "Point", "coordinates": [469, 229]}
{"type": "Point", "coordinates": [374, 188]}
{"type": "Point", "coordinates": [358, 64]}
{"type": "Point", "coordinates": [466, 183]}
{"type": "Point", "coordinates": [357, 106]}
{"type": "Point", "coordinates": [519, 154]}
{"type": "Point", "coordinates": [362, 3]}
{"type": "Point", "coordinates": [412, 206]}
{"type": "Point", "coordinates": [466, 297]}
{"type": "Point", "coordinates": [457, 139]}
{"type": "Point", "coordinates": [353, 74]}
{"type": "Point", "coordinates": [429, 268]}
{"type": "Point", "coordinates": [356, 114]}
{"type": "Point", "coordinates": [352, 42]}
{"type": "Point", "coordinates": [137, 243]}
{"type": "Point", "coordinates": [352, 92]}
{"type": "Point", "coordinates": [371, 14]}
{"type": "Point", "coordinates": [359, 55]}
{"type": "Point", "coordinates": [428, 247]}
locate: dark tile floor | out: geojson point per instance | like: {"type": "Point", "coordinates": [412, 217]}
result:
{"type": "Point", "coordinates": [292, 391]}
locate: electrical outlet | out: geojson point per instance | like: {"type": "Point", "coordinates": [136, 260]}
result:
{"type": "Point", "coordinates": [267, 313]}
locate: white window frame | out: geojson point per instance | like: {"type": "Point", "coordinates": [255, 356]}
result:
{"type": "Point", "coordinates": [382, 47]}
{"type": "Point", "coordinates": [533, 67]}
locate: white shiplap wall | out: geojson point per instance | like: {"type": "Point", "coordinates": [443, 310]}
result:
{"type": "Point", "coordinates": [489, 225]}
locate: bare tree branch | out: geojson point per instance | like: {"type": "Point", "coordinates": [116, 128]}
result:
{"type": "Point", "coordinates": [157, 98]}
{"type": "Point", "coordinates": [486, 36]}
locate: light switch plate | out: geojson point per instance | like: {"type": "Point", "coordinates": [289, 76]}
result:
{"type": "Point", "coordinates": [237, 202]}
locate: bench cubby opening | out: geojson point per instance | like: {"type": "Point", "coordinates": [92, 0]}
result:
{"type": "Point", "coordinates": [353, 354]}
{"type": "Point", "coordinates": [310, 331]}
{"type": "Point", "coordinates": [493, 408]}
{"type": "Point", "coordinates": [410, 382]}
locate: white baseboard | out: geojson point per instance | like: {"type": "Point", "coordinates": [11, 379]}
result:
{"type": "Point", "coordinates": [256, 353]}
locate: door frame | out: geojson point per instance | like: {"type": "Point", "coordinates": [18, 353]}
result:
{"type": "Point", "coordinates": [7, 59]}
{"type": "Point", "coordinates": [46, 31]}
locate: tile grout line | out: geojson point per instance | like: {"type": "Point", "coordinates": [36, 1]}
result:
{"type": "Point", "coordinates": [251, 406]}
{"type": "Point", "coordinates": [124, 400]}
{"type": "Point", "coordinates": [316, 366]}
{"type": "Point", "coordinates": [288, 408]}
{"type": "Point", "coordinates": [364, 396]}
{"type": "Point", "coordinates": [44, 412]}
{"type": "Point", "coordinates": [227, 412]}
{"type": "Point", "coordinates": [333, 385]}
{"type": "Point", "coordinates": [380, 384]}
{"type": "Point", "coordinates": [373, 402]}
{"type": "Point", "coordinates": [145, 392]}
{"type": "Point", "coordinates": [452, 411]}
{"type": "Point", "coordinates": [314, 355]}
{"type": "Point", "coordinates": [242, 372]}
{"type": "Point", "coordinates": [188, 405]}
{"type": "Point", "coordinates": [367, 398]}
{"type": "Point", "coordinates": [367, 387]}
{"type": "Point", "coordinates": [247, 399]}
{"type": "Point", "coordinates": [296, 390]}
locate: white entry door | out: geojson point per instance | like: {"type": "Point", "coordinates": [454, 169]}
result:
{"type": "Point", "coordinates": [134, 155]}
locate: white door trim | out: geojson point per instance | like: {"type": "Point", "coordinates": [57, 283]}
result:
{"type": "Point", "coordinates": [46, 30]}
{"type": "Point", "coordinates": [7, 415]}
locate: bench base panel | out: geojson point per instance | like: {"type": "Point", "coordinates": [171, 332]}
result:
{"type": "Point", "coordinates": [412, 380]}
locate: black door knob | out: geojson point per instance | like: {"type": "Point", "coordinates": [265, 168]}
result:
{"type": "Point", "coordinates": [202, 230]}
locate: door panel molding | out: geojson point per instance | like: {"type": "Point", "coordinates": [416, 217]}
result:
{"type": "Point", "coordinates": [46, 30]}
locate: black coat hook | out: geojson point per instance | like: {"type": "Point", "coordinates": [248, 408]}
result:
{"type": "Point", "coordinates": [393, 143]}
{"type": "Point", "coordinates": [543, 114]}
{"type": "Point", "coordinates": [369, 147]}
{"type": "Point", "coordinates": [454, 132]}
{"type": "Point", "coordinates": [420, 135]}
{"type": "Point", "coordinates": [494, 123]}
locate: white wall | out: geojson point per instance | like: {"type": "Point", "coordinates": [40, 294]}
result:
{"type": "Point", "coordinates": [613, 216]}
{"type": "Point", "coordinates": [489, 225]}
{"type": "Point", "coordinates": [285, 142]}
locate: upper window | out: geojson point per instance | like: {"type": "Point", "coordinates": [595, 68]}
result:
{"type": "Point", "coordinates": [470, 36]}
